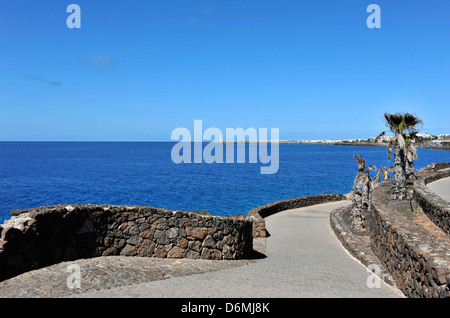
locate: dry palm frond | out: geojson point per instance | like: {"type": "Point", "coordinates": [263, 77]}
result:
{"type": "Point", "coordinates": [413, 151]}
{"type": "Point", "coordinates": [376, 179]}
{"type": "Point", "coordinates": [372, 168]}
{"type": "Point", "coordinates": [389, 151]}
{"type": "Point", "coordinates": [367, 177]}
{"type": "Point", "coordinates": [360, 161]}
{"type": "Point", "coordinates": [414, 137]}
{"type": "Point", "coordinates": [411, 121]}
{"type": "Point", "coordinates": [401, 141]}
{"type": "Point", "coordinates": [379, 136]}
{"type": "Point", "coordinates": [386, 172]}
{"type": "Point", "coordinates": [390, 146]}
{"type": "Point", "coordinates": [409, 156]}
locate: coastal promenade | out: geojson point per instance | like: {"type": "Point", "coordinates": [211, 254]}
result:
{"type": "Point", "coordinates": [303, 259]}
{"type": "Point", "coordinates": [441, 188]}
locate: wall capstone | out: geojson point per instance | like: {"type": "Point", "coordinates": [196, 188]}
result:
{"type": "Point", "coordinates": [258, 214]}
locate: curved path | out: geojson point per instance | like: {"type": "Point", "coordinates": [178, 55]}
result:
{"type": "Point", "coordinates": [441, 188]}
{"type": "Point", "coordinates": [304, 259]}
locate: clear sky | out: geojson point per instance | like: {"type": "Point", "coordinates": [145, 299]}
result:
{"type": "Point", "coordinates": [137, 69]}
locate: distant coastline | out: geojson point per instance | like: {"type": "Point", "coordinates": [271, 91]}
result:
{"type": "Point", "coordinates": [331, 143]}
{"type": "Point", "coordinates": [428, 141]}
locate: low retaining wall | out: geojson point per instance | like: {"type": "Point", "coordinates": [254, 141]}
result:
{"type": "Point", "coordinates": [410, 246]}
{"type": "Point", "coordinates": [44, 236]}
{"type": "Point", "coordinates": [259, 213]}
{"type": "Point", "coordinates": [437, 209]}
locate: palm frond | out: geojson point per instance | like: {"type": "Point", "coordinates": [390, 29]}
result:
{"type": "Point", "coordinates": [412, 120]}
{"type": "Point", "coordinates": [394, 122]}
{"type": "Point", "coordinates": [360, 161]}
{"type": "Point", "coordinates": [412, 136]}
{"type": "Point", "coordinates": [379, 136]}
{"type": "Point", "coordinates": [400, 123]}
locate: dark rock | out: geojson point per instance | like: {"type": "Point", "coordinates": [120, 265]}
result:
{"type": "Point", "coordinates": [146, 248]}
{"type": "Point", "coordinates": [209, 242]}
{"type": "Point", "coordinates": [196, 232]}
{"type": "Point", "coordinates": [17, 212]}
{"type": "Point", "coordinates": [160, 237]}
{"type": "Point", "coordinates": [176, 252]}
{"type": "Point", "coordinates": [128, 250]}
{"type": "Point", "coordinates": [195, 246]}
{"type": "Point", "coordinates": [206, 254]}
{"type": "Point", "coordinates": [192, 254]}
{"type": "Point", "coordinates": [134, 240]}
{"type": "Point", "coordinates": [161, 224]}
{"type": "Point", "coordinates": [182, 242]}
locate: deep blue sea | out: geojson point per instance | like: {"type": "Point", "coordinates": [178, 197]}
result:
{"type": "Point", "coordinates": [34, 174]}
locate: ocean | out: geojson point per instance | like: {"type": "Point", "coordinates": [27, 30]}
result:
{"type": "Point", "coordinates": [34, 174]}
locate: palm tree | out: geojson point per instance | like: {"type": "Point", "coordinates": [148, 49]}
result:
{"type": "Point", "coordinates": [363, 186]}
{"type": "Point", "coordinates": [362, 192]}
{"type": "Point", "coordinates": [405, 128]}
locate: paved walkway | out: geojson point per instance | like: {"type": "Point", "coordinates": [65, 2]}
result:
{"type": "Point", "coordinates": [441, 188]}
{"type": "Point", "coordinates": [304, 259]}
{"type": "Point", "coordinates": [104, 273]}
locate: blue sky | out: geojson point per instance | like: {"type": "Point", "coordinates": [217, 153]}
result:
{"type": "Point", "coordinates": [137, 69]}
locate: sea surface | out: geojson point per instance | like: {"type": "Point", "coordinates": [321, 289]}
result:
{"type": "Point", "coordinates": [34, 174]}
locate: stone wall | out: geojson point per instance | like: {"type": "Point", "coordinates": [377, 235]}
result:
{"type": "Point", "coordinates": [40, 237]}
{"type": "Point", "coordinates": [409, 245]}
{"type": "Point", "coordinates": [435, 207]}
{"type": "Point", "coordinates": [259, 213]}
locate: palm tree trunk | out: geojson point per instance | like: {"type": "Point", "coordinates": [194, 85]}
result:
{"type": "Point", "coordinates": [399, 178]}
{"type": "Point", "coordinates": [410, 170]}
{"type": "Point", "coordinates": [357, 213]}
{"type": "Point", "coordinates": [410, 177]}
{"type": "Point", "coordinates": [366, 192]}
